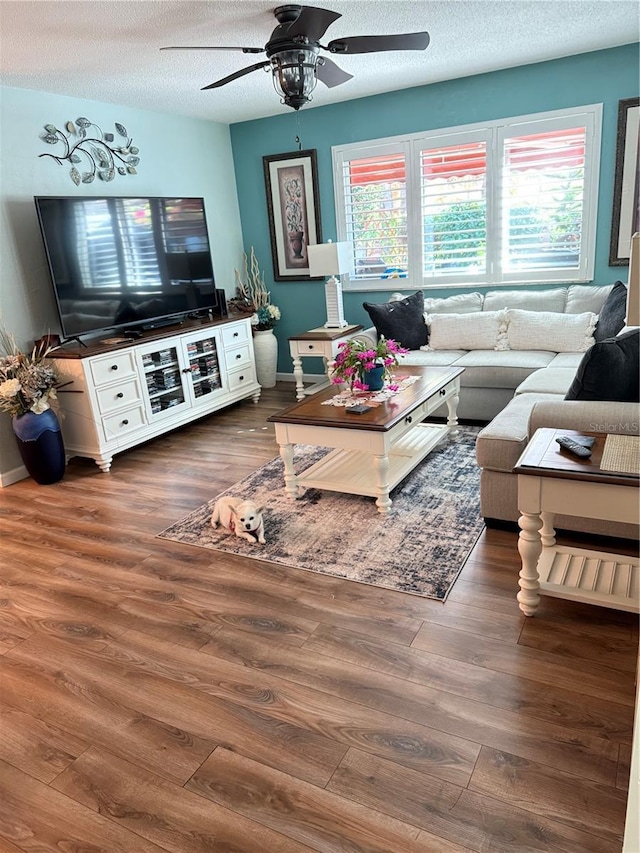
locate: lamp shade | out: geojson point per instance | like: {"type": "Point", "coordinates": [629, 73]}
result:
{"type": "Point", "coordinates": [330, 259]}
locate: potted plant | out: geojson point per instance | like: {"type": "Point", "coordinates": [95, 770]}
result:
{"type": "Point", "coordinates": [365, 368]}
{"type": "Point", "coordinates": [28, 382]}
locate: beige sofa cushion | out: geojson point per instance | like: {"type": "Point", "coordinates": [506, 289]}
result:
{"type": "Point", "coordinates": [552, 380]}
{"type": "Point", "coordinates": [491, 369]}
{"type": "Point", "coordinates": [500, 444]}
{"type": "Point", "coordinates": [461, 303]}
{"type": "Point", "coordinates": [483, 330]}
{"type": "Point", "coordinates": [424, 358]}
{"type": "Point", "coordinates": [584, 297]}
{"type": "Point", "coordinates": [567, 359]}
{"type": "Point", "coordinates": [528, 300]}
{"type": "Point", "coordinates": [552, 332]}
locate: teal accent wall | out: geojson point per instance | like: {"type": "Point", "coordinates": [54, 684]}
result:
{"type": "Point", "coordinates": [604, 77]}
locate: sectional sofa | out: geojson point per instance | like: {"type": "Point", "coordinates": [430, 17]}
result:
{"type": "Point", "coordinates": [521, 350]}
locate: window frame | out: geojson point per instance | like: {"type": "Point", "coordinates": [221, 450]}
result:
{"type": "Point", "coordinates": [493, 133]}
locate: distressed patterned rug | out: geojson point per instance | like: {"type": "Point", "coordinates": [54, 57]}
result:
{"type": "Point", "coordinates": [420, 547]}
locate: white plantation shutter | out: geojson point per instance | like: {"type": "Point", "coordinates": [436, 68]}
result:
{"type": "Point", "coordinates": [374, 206]}
{"type": "Point", "coordinates": [542, 199]}
{"type": "Point", "coordinates": [505, 202]}
{"type": "Point", "coordinates": [453, 202]}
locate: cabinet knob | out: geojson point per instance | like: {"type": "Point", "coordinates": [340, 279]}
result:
{"type": "Point", "coordinates": [241, 378]}
{"type": "Point", "coordinates": [235, 334]}
{"type": "Point", "coordinates": [408, 419]}
{"type": "Point", "coordinates": [114, 367]}
{"type": "Point", "coordinates": [310, 346]}
{"type": "Point", "coordinates": [186, 370]}
{"type": "Point", "coordinates": [119, 395]}
{"type": "Point", "coordinates": [443, 391]}
{"type": "Point", "coordinates": [125, 422]}
{"type": "Point", "coordinates": [239, 355]}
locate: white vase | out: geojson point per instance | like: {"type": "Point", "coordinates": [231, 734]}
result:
{"type": "Point", "coordinates": [265, 346]}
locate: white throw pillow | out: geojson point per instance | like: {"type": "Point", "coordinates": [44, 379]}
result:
{"type": "Point", "coordinates": [481, 330]}
{"type": "Point", "coordinates": [550, 332]}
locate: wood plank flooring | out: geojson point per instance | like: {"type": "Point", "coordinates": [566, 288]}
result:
{"type": "Point", "coordinates": [160, 697]}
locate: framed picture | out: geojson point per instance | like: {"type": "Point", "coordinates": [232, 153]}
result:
{"type": "Point", "coordinates": [294, 212]}
{"type": "Point", "coordinates": [625, 219]}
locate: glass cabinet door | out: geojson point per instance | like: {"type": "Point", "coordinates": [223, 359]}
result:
{"type": "Point", "coordinates": [203, 366]}
{"type": "Point", "coordinates": [163, 379]}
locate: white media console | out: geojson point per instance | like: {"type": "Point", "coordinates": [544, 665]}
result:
{"type": "Point", "coordinates": [122, 394]}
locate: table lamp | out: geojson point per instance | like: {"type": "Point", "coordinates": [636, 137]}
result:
{"type": "Point", "coordinates": [331, 259]}
{"type": "Point", "coordinates": [633, 289]}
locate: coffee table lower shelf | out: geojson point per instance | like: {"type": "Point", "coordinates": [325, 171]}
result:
{"type": "Point", "coordinates": [355, 473]}
{"type": "Point", "coordinates": [593, 577]}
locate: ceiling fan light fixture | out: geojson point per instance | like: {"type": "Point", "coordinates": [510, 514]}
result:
{"type": "Point", "coordinates": [294, 75]}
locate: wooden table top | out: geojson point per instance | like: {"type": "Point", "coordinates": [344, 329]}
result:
{"type": "Point", "coordinates": [322, 334]}
{"type": "Point", "coordinates": [382, 416]}
{"type": "Point", "coordinates": [543, 457]}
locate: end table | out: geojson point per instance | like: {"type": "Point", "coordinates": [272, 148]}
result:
{"type": "Point", "coordinates": [321, 343]}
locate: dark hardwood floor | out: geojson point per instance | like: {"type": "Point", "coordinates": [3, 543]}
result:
{"type": "Point", "coordinates": [160, 697]}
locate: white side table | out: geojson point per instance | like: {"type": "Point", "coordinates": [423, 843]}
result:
{"type": "Point", "coordinates": [317, 342]}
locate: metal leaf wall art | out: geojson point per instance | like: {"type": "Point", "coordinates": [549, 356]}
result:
{"type": "Point", "coordinates": [92, 152]}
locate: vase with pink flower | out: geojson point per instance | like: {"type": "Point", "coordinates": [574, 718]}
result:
{"type": "Point", "coordinates": [363, 367]}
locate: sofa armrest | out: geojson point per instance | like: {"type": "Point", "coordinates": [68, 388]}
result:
{"type": "Point", "coordinates": [367, 336]}
{"type": "Point", "coordinates": [586, 415]}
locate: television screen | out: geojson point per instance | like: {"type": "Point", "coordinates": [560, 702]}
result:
{"type": "Point", "coordinates": [118, 262]}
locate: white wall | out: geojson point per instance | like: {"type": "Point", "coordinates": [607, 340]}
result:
{"type": "Point", "coordinates": [178, 156]}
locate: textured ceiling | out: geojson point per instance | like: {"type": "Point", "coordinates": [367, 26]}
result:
{"type": "Point", "coordinates": [109, 51]}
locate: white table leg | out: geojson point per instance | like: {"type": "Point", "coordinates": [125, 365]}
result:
{"type": "Point", "coordinates": [297, 372]}
{"type": "Point", "coordinates": [530, 548]}
{"type": "Point", "coordinates": [383, 501]}
{"type": "Point", "coordinates": [452, 408]}
{"type": "Point", "coordinates": [290, 480]}
{"type": "Point", "coordinates": [547, 532]}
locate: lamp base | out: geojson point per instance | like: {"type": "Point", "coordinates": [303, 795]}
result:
{"type": "Point", "coordinates": [335, 311]}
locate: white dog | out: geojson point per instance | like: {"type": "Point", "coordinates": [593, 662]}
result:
{"type": "Point", "coordinates": [243, 518]}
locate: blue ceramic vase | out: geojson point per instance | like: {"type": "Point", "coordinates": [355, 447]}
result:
{"type": "Point", "coordinates": [41, 446]}
{"type": "Point", "coordinates": [374, 378]}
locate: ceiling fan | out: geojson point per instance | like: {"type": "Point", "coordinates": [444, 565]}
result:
{"type": "Point", "coordinates": [293, 52]}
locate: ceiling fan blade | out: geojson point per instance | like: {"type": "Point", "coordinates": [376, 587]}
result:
{"type": "Point", "coordinates": [371, 44]}
{"type": "Point", "coordinates": [235, 75]}
{"type": "Point", "coordinates": [202, 47]}
{"type": "Point", "coordinates": [312, 22]}
{"type": "Point", "coordinates": [330, 74]}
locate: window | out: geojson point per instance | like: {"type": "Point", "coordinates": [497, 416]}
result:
{"type": "Point", "coordinates": [512, 201]}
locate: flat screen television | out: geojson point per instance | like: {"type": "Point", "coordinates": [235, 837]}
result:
{"type": "Point", "coordinates": [126, 262]}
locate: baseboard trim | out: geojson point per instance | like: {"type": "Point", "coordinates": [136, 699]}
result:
{"type": "Point", "coordinates": [13, 476]}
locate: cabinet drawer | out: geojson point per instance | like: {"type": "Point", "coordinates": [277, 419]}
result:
{"type": "Point", "coordinates": [124, 422]}
{"type": "Point", "coordinates": [117, 396]}
{"type": "Point", "coordinates": [110, 367]}
{"type": "Point", "coordinates": [450, 389]}
{"type": "Point", "coordinates": [238, 357]}
{"type": "Point", "coordinates": [239, 378]}
{"type": "Point", "coordinates": [237, 333]}
{"type": "Point", "coordinates": [318, 348]}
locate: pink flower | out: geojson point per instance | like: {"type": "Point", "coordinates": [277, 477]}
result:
{"type": "Point", "coordinates": [360, 386]}
{"type": "Point", "coordinates": [393, 387]}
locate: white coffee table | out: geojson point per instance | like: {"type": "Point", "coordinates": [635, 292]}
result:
{"type": "Point", "coordinates": [372, 452]}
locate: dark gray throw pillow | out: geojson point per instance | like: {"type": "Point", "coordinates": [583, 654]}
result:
{"type": "Point", "coordinates": [612, 314]}
{"type": "Point", "coordinates": [401, 321]}
{"type": "Point", "coordinates": [610, 370]}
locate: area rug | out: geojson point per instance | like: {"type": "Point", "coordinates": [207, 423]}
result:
{"type": "Point", "coordinates": [420, 547]}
